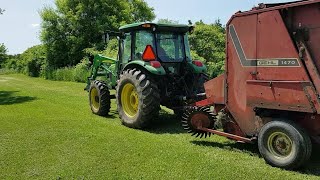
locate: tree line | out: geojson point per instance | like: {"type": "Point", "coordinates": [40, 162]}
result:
{"type": "Point", "coordinates": [73, 28]}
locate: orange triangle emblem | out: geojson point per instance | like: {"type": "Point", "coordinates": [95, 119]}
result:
{"type": "Point", "coordinates": [148, 54]}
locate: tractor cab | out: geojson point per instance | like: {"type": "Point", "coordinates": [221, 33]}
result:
{"type": "Point", "coordinates": [163, 45]}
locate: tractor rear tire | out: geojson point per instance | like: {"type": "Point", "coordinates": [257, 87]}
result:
{"type": "Point", "coordinates": [284, 144]}
{"type": "Point", "coordinates": [138, 99]}
{"type": "Point", "coordinates": [99, 98]}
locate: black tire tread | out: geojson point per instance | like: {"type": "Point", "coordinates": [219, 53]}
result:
{"type": "Point", "coordinates": [303, 157]}
{"type": "Point", "coordinates": [104, 95]}
{"type": "Point", "coordinates": [149, 98]}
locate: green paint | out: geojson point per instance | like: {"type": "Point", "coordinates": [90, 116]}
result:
{"type": "Point", "coordinates": [146, 66]}
{"type": "Point", "coordinates": [111, 68]}
{"type": "Point", "coordinates": [158, 26]}
{"type": "Point", "coordinates": [103, 67]}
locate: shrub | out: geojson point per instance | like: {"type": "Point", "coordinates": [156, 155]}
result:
{"type": "Point", "coordinates": [78, 73]}
{"type": "Point", "coordinates": [81, 72]}
{"type": "Point", "coordinates": [64, 74]}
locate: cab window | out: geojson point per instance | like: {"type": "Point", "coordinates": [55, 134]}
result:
{"type": "Point", "coordinates": [170, 47]}
{"type": "Point", "coordinates": [143, 38]}
{"type": "Point", "coordinates": [126, 48]}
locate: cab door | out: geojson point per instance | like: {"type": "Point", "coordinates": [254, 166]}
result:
{"type": "Point", "coordinates": [125, 54]}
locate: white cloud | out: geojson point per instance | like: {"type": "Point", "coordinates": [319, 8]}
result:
{"type": "Point", "coordinates": [35, 25]}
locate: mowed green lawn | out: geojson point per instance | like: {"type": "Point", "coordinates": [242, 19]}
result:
{"type": "Point", "coordinates": [47, 131]}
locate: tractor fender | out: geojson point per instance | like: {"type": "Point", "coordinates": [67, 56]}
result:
{"type": "Point", "coordinates": [146, 66]}
{"type": "Point", "coordinates": [196, 69]}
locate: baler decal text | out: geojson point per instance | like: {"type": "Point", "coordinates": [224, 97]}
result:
{"type": "Point", "coordinates": [270, 62]}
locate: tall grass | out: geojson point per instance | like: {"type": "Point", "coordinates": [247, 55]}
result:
{"type": "Point", "coordinates": [7, 71]}
{"type": "Point", "coordinates": [78, 73]}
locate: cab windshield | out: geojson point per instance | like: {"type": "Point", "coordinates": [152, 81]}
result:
{"type": "Point", "coordinates": [169, 47]}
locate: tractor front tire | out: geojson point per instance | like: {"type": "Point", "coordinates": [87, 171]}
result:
{"type": "Point", "coordinates": [138, 99]}
{"type": "Point", "coordinates": [284, 144]}
{"type": "Point", "coordinates": [99, 98]}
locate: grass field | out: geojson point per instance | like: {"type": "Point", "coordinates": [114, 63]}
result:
{"type": "Point", "coordinates": [47, 131]}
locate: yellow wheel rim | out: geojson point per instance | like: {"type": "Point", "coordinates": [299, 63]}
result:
{"type": "Point", "coordinates": [280, 145]}
{"type": "Point", "coordinates": [95, 100]}
{"type": "Point", "coordinates": [129, 100]}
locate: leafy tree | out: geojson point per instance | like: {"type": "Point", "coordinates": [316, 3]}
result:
{"type": "Point", "coordinates": [3, 53]}
{"type": "Point", "coordinates": [76, 25]}
{"type": "Point", "coordinates": [30, 62]}
{"type": "Point", "coordinates": [33, 60]}
{"type": "Point", "coordinates": [140, 11]}
{"type": "Point", "coordinates": [12, 62]}
{"type": "Point", "coordinates": [208, 42]}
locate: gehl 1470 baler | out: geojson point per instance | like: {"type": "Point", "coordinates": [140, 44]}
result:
{"type": "Point", "coordinates": [269, 93]}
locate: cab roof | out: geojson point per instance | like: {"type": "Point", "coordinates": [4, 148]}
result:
{"type": "Point", "coordinates": [159, 27]}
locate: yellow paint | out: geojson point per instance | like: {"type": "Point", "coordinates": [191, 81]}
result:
{"type": "Point", "coordinates": [130, 100]}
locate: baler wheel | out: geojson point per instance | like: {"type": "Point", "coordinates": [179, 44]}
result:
{"type": "Point", "coordinates": [99, 98]}
{"type": "Point", "coordinates": [284, 144]}
{"type": "Point", "coordinates": [197, 117]}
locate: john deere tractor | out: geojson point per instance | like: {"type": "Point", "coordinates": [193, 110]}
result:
{"type": "Point", "coordinates": [154, 67]}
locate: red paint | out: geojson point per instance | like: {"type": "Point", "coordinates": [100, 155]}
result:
{"type": "Point", "coordinates": [202, 103]}
{"type": "Point", "coordinates": [155, 64]}
{"type": "Point", "coordinates": [197, 63]}
{"type": "Point", "coordinates": [215, 90]}
{"type": "Point", "coordinates": [271, 35]}
{"type": "Point", "coordinates": [231, 136]}
{"type": "Point", "coordinates": [148, 54]}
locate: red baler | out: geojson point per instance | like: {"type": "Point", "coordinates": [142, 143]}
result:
{"type": "Point", "coordinates": [270, 91]}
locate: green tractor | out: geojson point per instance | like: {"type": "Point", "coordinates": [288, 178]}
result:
{"type": "Point", "coordinates": [154, 67]}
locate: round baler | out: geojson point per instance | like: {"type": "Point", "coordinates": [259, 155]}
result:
{"type": "Point", "coordinates": [269, 93]}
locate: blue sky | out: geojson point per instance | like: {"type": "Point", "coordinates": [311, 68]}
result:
{"type": "Point", "coordinates": [20, 24]}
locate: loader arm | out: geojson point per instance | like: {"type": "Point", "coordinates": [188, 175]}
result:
{"type": "Point", "coordinates": [103, 66]}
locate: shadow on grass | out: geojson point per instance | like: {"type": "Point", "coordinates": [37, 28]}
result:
{"type": "Point", "coordinates": [166, 124]}
{"type": "Point", "coordinates": [311, 168]}
{"type": "Point", "coordinates": [112, 114]}
{"type": "Point", "coordinates": [251, 149]}
{"type": "Point", "coordinates": [8, 98]}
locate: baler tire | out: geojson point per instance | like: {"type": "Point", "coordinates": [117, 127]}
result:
{"type": "Point", "coordinates": [99, 98]}
{"type": "Point", "coordinates": [284, 131]}
{"type": "Point", "coordinates": [148, 95]}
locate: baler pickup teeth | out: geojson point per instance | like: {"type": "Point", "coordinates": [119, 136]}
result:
{"type": "Point", "coordinates": [198, 117]}
{"type": "Point", "coordinates": [202, 135]}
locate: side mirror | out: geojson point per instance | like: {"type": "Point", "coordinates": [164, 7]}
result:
{"type": "Point", "coordinates": [105, 38]}
{"type": "Point", "coordinates": [191, 29]}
